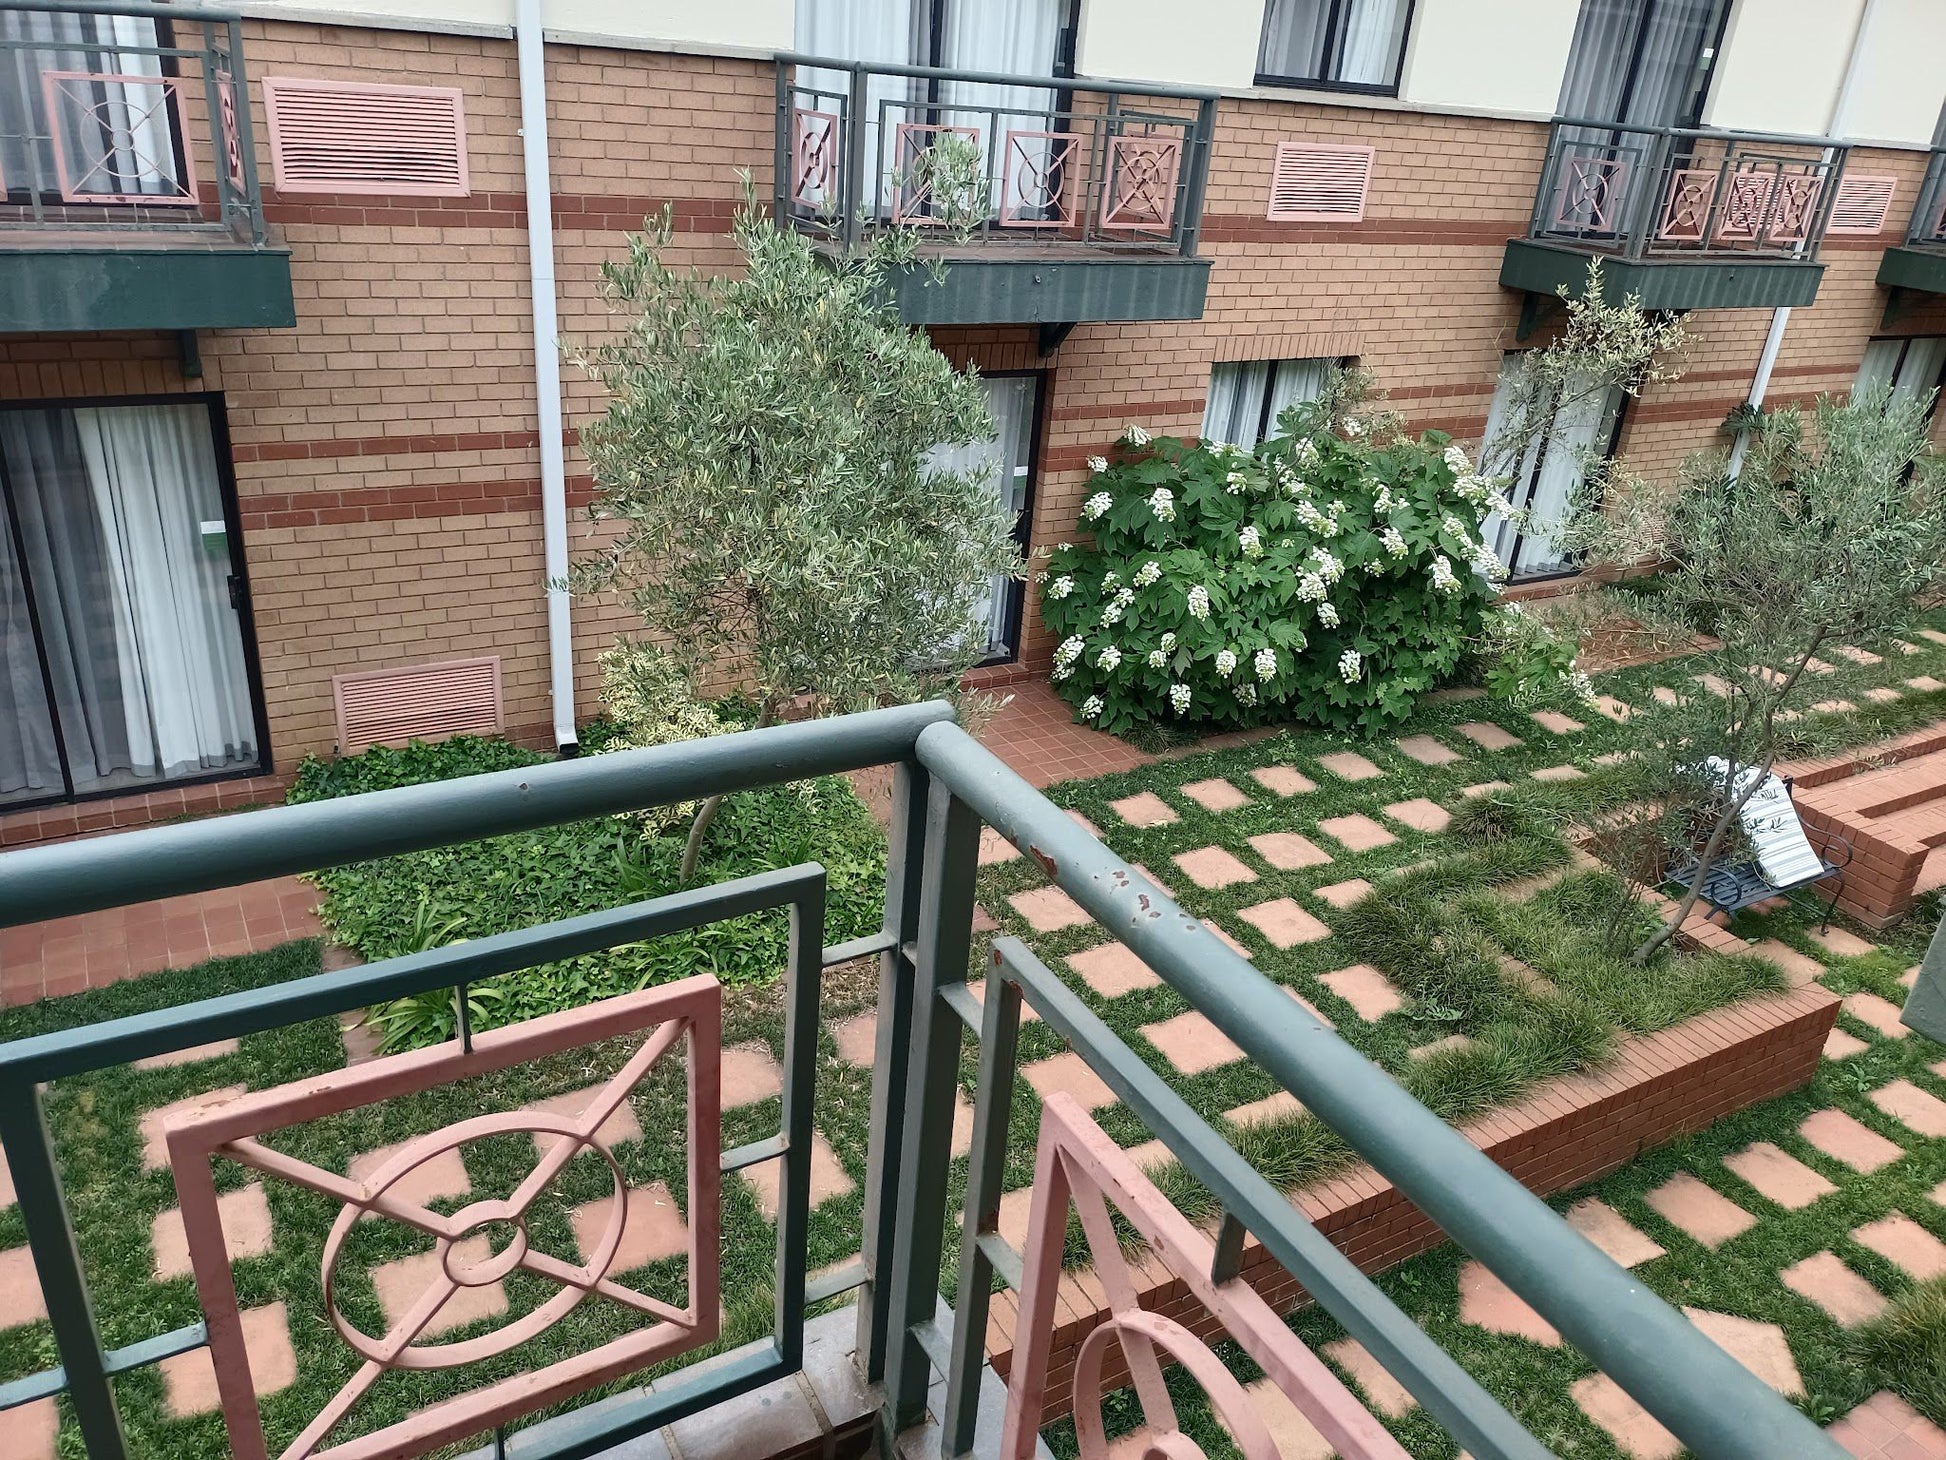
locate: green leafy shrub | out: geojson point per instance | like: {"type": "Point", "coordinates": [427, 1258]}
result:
{"type": "Point", "coordinates": [1333, 574]}
{"type": "Point", "coordinates": [1905, 1347]}
{"type": "Point", "coordinates": [1526, 661]}
{"type": "Point", "coordinates": [402, 904]}
{"type": "Point", "coordinates": [650, 701]}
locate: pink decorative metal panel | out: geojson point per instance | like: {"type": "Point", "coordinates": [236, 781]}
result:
{"type": "Point", "coordinates": [418, 702]}
{"type": "Point", "coordinates": [1795, 208]}
{"type": "Point", "coordinates": [915, 172]}
{"type": "Point", "coordinates": [1746, 204]}
{"type": "Point", "coordinates": [1686, 211]}
{"type": "Point", "coordinates": [1320, 182]}
{"type": "Point", "coordinates": [1862, 203]}
{"type": "Point", "coordinates": [1039, 183]}
{"type": "Point", "coordinates": [1590, 194]}
{"type": "Point", "coordinates": [228, 132]}
{"type": "Point", "coordinates": [688, 1011]}
{"type": "Point", "coordinates": [814, 156]}
{"type": "Point", "coordinates": [1077, 1161]}
{"type": "Point", "coordinates": [366, 137]}
{"type": "Point", "coordinates": [1141, 189]}
{"type": "Point", "coordinates": [115, 138]}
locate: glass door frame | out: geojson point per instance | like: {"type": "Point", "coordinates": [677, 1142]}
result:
{"type": "Point", "coordinates": [1013, 608]}
{"type": "Point", "coordinates": [240, 599]}
{"type": "Point", "coordinates": [1569, 567]}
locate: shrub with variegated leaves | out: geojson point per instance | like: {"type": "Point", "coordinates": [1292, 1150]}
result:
{"type": "Point", "coordinates": [1331, 575]}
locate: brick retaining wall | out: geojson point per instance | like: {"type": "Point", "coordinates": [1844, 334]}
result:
{"type": "Point", "coordinates": [1889, 802]}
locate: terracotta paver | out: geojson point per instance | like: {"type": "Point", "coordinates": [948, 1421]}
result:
{"type": "Point", "coordinates": [1295, 1436]}
{"type": "Point", "coordinates": [1759, 1347]}
{"type": "Point", "coordinates": [1845, 1139]}
{"type": "Point", "coordinates": [1215, 794]}
{"type": "Point", "coordinates": [1192, 1043]}
{"type": "Point", "coordinates": [1112, 970]}
{"type": "Point", "coordinates": [1885, 1427]}
{"type": "Point", "coordinates": [1560, 773]}
{"type": "Point", "coordinates": [1925, 684]}
{"type": "Point", "coordinates": [978, 988]}
{"type": "Point", "coordinates": [1666, 696]}
{"type": "Point", "coordinates": [1048, 909]}
{"type": "Point", "coordinates": [1823, 1279]}
{"type": "Point", "coordinates": [1144, 809]}
{"type": "Point", "coordinates": [1426, 750]}
{"type": "Point", "coordinates": [1699, 1209]}
{"type": "Point", "coordinates": [1369, 992]}
{"type": "Point", "coordinates": [216, 1049]}
{"type": "Point", "coordinates": [1343, 894]}
{"type": "Point", "coordinates": [1614, 709]}
{"type": "Point", "coordinates": [1384, 1395]}
{"type": "Point", "coordinates": [1556, 722]}
{"type": "Point", "coordinates": [1883, 694]}
{"type": "Point", "coordinates": [750, 1074]}
{"type": "Point", "coordinates": [652, 1229]}
{"type": "Point", "coordinates": [1356, 833]}
{"type": "Point", "coordinates": [1489, 1303]}
{"type": "Point", "coordinates": [1841, 941]}
{"type": "Point", "coordinates": [20, 1289]}
{"type": "Point", "coordinates": [1800, 968]}
{"type": "Point", "coordinates": [1420, 814]}
{"type": "Point", "coordinates": [983, 921]}
{"type": "Point", "coordinates": [155, 1154]}
{"type": "Point", "coordinates": [857, 1039]}
{"type": "Point", "coordinates": [1227, 941]}
{"type": "Point", "coordinates": [1071, 1074]}
{"type": "Point", "coordinates": [1284, 923]}
{"type": "Point", "coordinates": [1271, 1107]}
{"type": "Point", "coordinates": [829, 1179]}
{"type": "Point", "coordinates": [189, 1380]}
{"type": "Point", "coordinates": [1636, 1432]}
{"type": "Point", "coordinates": [1881, 1014]}
{"type": "Point", "coordinates": [1613, 1233]}
{"type": "Point", "coordinates": [1081, 821]}
{"type": "Point", "coordinates": [1487, 735]}
{"type": "Point", "coordinates": [1839, 1045]}
{"type": "Point", "coordinates": [996, 848]}
{"type": "Point", "coordinates": [402, 1283]}
{"type": "Point", "coordinates": [30, 1431]}
{"type": "Point", "coordinates": [1912, 1107]}
{"type": "Point", "coordinates": [1778, 1175]}
{"type": "Point", "coordinates": [1036, 734]}
{"type": "Point", "coordinates": [1213, 867]}
{"type": "Point", "coordinates": [1288, 852]}
{"type": "Point", "coordinates": [1905, 1244]}
{"type": "Point", "coordinates": [1016, 1208]}
{"type": "Point", "coordinates": [1858, 655]}
{"type": "Point", "coordinates": [1283, 780]}
{"type": "Point", "coordinates": [1440, 1046]}
{"type": "Point", "coordinates": [1485, 788]}
{"type": "Point", "coordinates": [1721, 688]}
{"type": "Point", "coordinates": [437, 1177]}
{"type": "Point", "coordinates": [1308, 1007]}
{"type": "Point", "coordinates": [1349, 765]}
{"type": "Point", "coordinates": [620, 1128]}
{"type": "Point", "coordinates": [246, 1231]}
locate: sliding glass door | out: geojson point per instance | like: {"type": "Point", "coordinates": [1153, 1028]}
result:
{"type": "Point", "coordinates": [1006, 461]}
{"type": "Point", "coordinates": [1545, 485]}
{"type": "Point", "coordinates": [120, 619]}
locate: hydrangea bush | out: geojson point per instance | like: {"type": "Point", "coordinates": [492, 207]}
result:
{"type": "Point", "coordinates": [1332, 575]}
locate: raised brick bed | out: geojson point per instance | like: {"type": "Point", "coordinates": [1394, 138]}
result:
{"type": "Point", "coordinates": [1567, 1132]}
{"type": "Point", "coordinates": [1889, 802]}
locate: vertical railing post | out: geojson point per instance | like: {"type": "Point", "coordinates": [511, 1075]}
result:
{"type": "Point", "coordinates": [1191, 219]}
{"type": "Point", "coordinates": [952, 853]}
{"type": "Point", "coordinates": [253, 193]}
{"type": "Point", "coordinates": [905, 867]}
{"type": "Point", "coordinates": [785, 164]}
{"type": "Point", "coordinates": [29, 1151]}
{"type": "Point", "coordinates": [857, 103]}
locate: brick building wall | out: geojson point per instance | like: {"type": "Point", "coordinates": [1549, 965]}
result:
{"type": "Point", "coordinates": [385, 449]}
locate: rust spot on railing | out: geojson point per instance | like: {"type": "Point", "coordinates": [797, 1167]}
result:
{"type": "Point", "coordinates": [1047, 863]}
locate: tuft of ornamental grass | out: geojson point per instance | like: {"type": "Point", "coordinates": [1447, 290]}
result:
{"type": "Point", "coordinates": [1905, 1347]}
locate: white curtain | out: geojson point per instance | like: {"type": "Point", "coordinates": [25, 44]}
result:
{"type": "Point", "coordinates": [1912, 367]}
{"type": "Point", "coordinates": [1015, 38]}
{"type": "Point", "coordinates": [1247, 396]}
{"type": "Point", "coordinates": [1004, 461]}
{"type": "Point", "coordinates": [1374, 31]}
{"type": "Point", "coordinates": [1297, 41]}
{"type": "Point", "coordinates": [1295, 35]}
{"type": "Point", "coordinates": [1545, 481]}
{"type": "Point", "coordinates": [1638, 61]}
{"type": "Point", "coordinates": [875, 31]}
{"type": "Point", "coordinates": [121, 515]}
{"type": "Point", "coordinates": [132, 140]}
{"type": "Point", "coordinates": [30, 766]}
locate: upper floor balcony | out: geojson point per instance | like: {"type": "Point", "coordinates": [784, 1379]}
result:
{"type": "Point", "coordinates": [1683, 218]}
{"type": "Point", "coordinates": [1055, 200]}
{"type": "Point", "coordinates": [129, 172]}
{"type": "Point", "coordinates": [1920, 262]}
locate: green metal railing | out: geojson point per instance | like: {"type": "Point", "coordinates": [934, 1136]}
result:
{"type": "Point", "coordinates": [946, 787]}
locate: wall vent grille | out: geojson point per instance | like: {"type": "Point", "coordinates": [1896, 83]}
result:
{"type": "Point", "coordinates": [1320, 182]}
{"type": "Point", "coordinates": [1864, 199]}
{"type": "Point", "coordinates": [364, 137]}
{"type": "Point", "coordinates": [418, 702]}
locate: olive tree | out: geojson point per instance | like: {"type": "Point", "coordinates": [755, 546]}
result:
{"type": "Point", "coordinates": [767, 472]}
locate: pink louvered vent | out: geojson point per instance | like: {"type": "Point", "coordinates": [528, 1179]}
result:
{"type": "Point", "coordinates": [419, 702]}
{"type": "Point", "coordinates": [1320, 182]}
{"type": "Point", "coordinates": [365, 137]}
{"type": "Point", "coordinates": [1864, 199]}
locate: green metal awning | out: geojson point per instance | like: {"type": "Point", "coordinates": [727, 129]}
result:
{"type": "Point", "coordinates": [1664, 283]}
{"type": "Point", "coordinates": [61, 285]}
{"type": "Point", "coordinates": [1059, 291]}
{"type": "Point", "coordinates": [1914, 268]}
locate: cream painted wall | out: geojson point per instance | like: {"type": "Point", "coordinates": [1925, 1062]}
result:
{"type": "Point", "coordinates": [741, 25]}
{"type": "Point", "coordinates": [1782, 62]}
{"type": "Point", "coordinates": [1902, 74]}
{"type": "Point", "coordinates": [1205, 43]}
{"type": "Point", "coordinates": [1501, 56]}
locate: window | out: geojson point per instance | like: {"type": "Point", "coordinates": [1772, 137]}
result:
{"type": "Point", "coordinates": [1007, 461]}
{"type": "Point", "coordinates": [1912, 366]}
{"type": "Point", "coordinates": [1644, 63]}
{"type": "Point", "coordinates": [123, 654]}
{"type": "Point", "coordinates": [1247, 396]}
{"type": "Point", "coordinates": [1546, 481]}
{"type": "Point", "coordinates": [1351, 45]}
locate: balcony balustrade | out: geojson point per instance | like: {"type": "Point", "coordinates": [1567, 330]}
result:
{"type": "Point", "coordinates": [1919, 263]}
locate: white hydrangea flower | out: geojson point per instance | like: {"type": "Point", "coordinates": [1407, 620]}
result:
{"type": "Point", "coordinates": [1234, 483]}
{"type": "Point", "coordinates": [1097, 464]}
{"type": "Point", "coordinates": [1179, 698]}
{"type": "Point", "coordinates": [1169, 643]}
{"type": "Point", "coordinates": [1135, 436]}
{"type": "Point", "coordinates": [1308, 514]}
{"type": "Point", "coordinates": [1096, 505]}
{"type": "Point", "coordinates": [1125, 596]}
{"type": "Point", "coordinates": [1328, 527]}
{"type": "Point", "coordinates": [1157, 658]}
{"type": "Point", "coordinates": [1246, 693]}
{"type": "Point", "coordinates": [1473, 488]}
{"type": "Point", "coordinates": [1385, 501]}
{"type": "Point", "coordinates": [1199, 602]}
{"type": "Point", "coordinates": [1394, 541]}
{"type": "Point", "coordinates": [1350, 666]}
{"type": "Point", "coordinates": [1147, 573]}
{"type": "Point", "coordinates": [1328, 614]}
{"type": "Point", "coordinates": [1456, 459]}
{"type": "Point", "coordinates": [1443, 580]}
{"type": "Point", "coordinates": [1265, 663]}
{"type": "Point", "coordinates": [1311, 589]}
{"type": "Point", "coordinates": [1067, 656]}
{"type": "Point", "coordinates": [1327, 567]}
{"type": "Point", "coordinates": [1162, 502]}
{"type": "Point", "coordinates": [1061, 587]}
{"type": "Point", "coordinates": [1092, 707]}
{"type": "Point", "coordinates": [1305, 453]}
{"type": "Point", "coordinates": [1454, 527]}
{"type": "Point", "coordinates": [1580, 686]}
{"type": "Point", "coordinates": [1487, 564]}
{"type": "Point", "coordinates": [1354, 428]}
{"type": "Point", "coordinates": [1111, 612]}
{"type": "Point", "coordinates": [1109, 659]}
{"type": "Point", "coordinates": [1373, 567]}
{"type": "Point", "coordinates": [1226, 662]}
{"type": "Point", "coordinates": [1249, 540]}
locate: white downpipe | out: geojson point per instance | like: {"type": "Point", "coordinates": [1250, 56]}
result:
{"type": "Point", "coordinates": [1780, 317]}
{"type": "Point", "coordinates": [547, 365]}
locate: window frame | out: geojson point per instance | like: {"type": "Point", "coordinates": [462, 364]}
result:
{"type": "Point", "coordinates": [220, 446]}
{"type": "Point", "coordinates": [1904, 342]}
{"type": "Point", "coordinates": [1334, 53]}
{"type": "Point", "coordinates": [1264, 419]}
{"type": "Point", "coordinates": [1014, 614]}
{"type": "Point", "coordinates": [1526, 487]}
